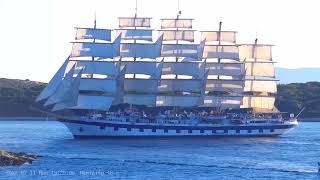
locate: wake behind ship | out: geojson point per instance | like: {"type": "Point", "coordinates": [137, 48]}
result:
{"type": "Point", "coordinates": [125, 82]}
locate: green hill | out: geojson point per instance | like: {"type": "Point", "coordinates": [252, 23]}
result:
{"type": "Point", "coordinates": [293, 97]}
{"type": "Point", "coordinates": [16, 97]}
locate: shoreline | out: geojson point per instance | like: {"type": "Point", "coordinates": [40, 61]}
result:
{"type": "Point", "coordinates": [313, 119]}
{"type": "Point", "coordinates": [23, 118]}
{"type": "Point", "coordinates": [9, 158]}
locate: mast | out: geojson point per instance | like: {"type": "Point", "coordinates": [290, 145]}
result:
{"type": "Point", "coordinates": [177, 27]}
{"type": "Point", "coordinates": [94, 39]}
{"type": "Point", "coordinates": [254, 55]}
{"type": "Point", "coordinates": [219, 59]}
{"type": "Point", "coordinates": [95, 21]}
{"type": "Point", "coordinates": [219, 43]}
{"type": "Point", "coordinates": [252, 68]}
{"type": "Point", "coordinates": [136, 9]}
{"type": "Point", "coordinates": [177, 40]}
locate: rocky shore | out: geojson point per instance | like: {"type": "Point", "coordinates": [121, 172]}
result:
{"type": "Point", "coordinates": [14, 159]}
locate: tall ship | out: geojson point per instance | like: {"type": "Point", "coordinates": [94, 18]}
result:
{"type": "Point", "coordinates": [174, 81]}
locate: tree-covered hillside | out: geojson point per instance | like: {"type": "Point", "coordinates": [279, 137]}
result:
{"type": "Point", "coordinates": [293, 97]}
{"type": "Point", "coordinates": [16, 97]}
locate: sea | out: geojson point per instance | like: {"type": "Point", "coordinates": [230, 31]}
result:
{"type": "Point", "coordinates": [290, 156]}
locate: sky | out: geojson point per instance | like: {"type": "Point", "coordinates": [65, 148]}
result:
{"type": "Point", "coordinates": [36, 34]}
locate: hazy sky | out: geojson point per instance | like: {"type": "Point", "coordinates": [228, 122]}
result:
{"type": "Point", "coordinates": [36, 34]}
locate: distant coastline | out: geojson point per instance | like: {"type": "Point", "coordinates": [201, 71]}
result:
{"type": "Point", "coordinates": [299, 75]}
{"type": "Point", "coordinates": [317, 119]}
{"type": "Point", "coordinates": [27, 119]}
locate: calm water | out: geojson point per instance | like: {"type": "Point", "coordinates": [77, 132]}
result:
{"type": "Point", "coordinates": [292, 156]}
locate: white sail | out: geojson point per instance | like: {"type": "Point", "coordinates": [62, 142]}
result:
{"type": "Point", "coordinates": [181, 101]}
{"type": "Point", "coordinates": [116, 46]}
{"type": "Point", "coordinates": [139, 50]}
{"type": "Point", "coordinates": [201, 49]}
{"type": "Point", "coordinates": [70, 97]}
{"type": "Point", "coordinates": [180, 50]}
{"type": "Point", "coordinates": [185, 35]}
{"type": "Point", "coordinates": [221, 52]}
{"type": "Point", "coordinates": [141, 67]}
{"type": "Point", "coordinates": [135, 34]}
{"type": "Point", "coordinates": [232, 86]}
{"type": "Point", "coordinates": [141, 85]}
{"type": "Point", "coordinates": [223, 101]}
{"type": "Point", "coordinates": [92, 102]}
{"type": "Point", "coordinates": [195, 69]}
{"type": "Point", "coordinates": [134, 22]}
{"type": "Point", "coordinates": [225, 69]}
{"type": "Point", "coordinates": [159, 69]}
{"type": "Point", "coordinates": [176, 23]}
{"type": "Point", "coordinates": [62, 89]}
{"type": "Point", "coordinates": [93, 49]}
{"type": "Point", "coordinates": [91, 33]}
{"type": "Point", "coordinates": [258, 102]}
{"type": "Point", "coordinates": [224, 36]}
{"type": "Point", "coordinates": [102, 85]}
{"type": "Point", "coordinates": [182, 85]}
{"type": "Point", "coordinates": [54, 82]}
{"type": "Point", "coordinates": [261, 86]}
{"type": "Point", "coordinates": [110, 68]}
{"type": "Point", "coordinates": [70, 66]}
{"type": "Point", "coordinates": [83, 49]}
{"type": "Point", "coordinates": [140, 99]}
{"type": "Point", "coordinates": [142, 50]}
{"type": "Point", "coordinates": [262, 69]}
{"type": "Point", "coordinates": [258, 51]}
{"type": "Point", "coordinates": [204, 82]}
{"type": "Point", "coordinates": [120, 86]}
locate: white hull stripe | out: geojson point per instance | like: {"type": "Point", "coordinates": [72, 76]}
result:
{"type": "Point", "coordinates": [173, 136]}
{"type": "Point", "coordinates": [173, 127]}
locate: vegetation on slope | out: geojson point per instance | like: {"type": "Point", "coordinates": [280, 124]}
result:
{"type": "Point", "coordinates": [16, 97]}
{"type": "Point", "coordinates": [293, 97]}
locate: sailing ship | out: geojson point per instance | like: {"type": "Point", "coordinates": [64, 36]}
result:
{"type": "Point", "coordinates": [126, 82]}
